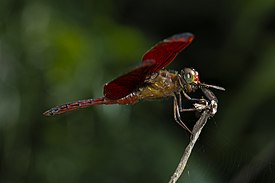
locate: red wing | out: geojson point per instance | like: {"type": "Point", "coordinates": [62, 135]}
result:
{"type": "Point", "coordinates": [165, 51]}
{"type": "Point", "coordinates": [127, 83]}
{"type": "Point", "coordinates": [153, 60]}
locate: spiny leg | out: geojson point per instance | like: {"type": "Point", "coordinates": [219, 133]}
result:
{"type": "Point", "coordinates": [177, 116]}
{"type": "Point", "coordinates": [202, 104]}
{"type": "Point", "coordinates": [181, 109]}
{"type": "Point", "coordinates": [199, 100]}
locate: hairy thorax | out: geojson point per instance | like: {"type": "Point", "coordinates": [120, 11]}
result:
{"type": "Point", "coordinates": [161, 84]}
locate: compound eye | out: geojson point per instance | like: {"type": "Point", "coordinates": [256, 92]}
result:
{"type": "Point", "coordinates": [189, 78]}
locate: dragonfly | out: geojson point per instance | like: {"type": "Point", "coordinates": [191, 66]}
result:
{"type": "Point", "coordinates": [149, 80]}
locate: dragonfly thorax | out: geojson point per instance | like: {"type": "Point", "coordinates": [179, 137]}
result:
{"type": "Point", "coordinates": [161, 84]}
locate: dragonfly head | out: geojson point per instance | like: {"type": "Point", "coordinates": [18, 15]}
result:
{"type": "Point", "coordinates": [191, 78]}
{"type": "Point", "coordinates": [192, 81]}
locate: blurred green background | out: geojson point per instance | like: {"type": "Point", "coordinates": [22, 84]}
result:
{"type": "Point", "coordinates": [53, 52]}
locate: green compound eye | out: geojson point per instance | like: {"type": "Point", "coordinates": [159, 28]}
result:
{"type": "Point", "coordinates": [189, 75]}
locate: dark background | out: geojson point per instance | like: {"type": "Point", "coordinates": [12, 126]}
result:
{"type": "Point", "coordinates": [54, 51]}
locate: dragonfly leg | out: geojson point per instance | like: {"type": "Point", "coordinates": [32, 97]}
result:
{"type": "Point", "coordinates": [202, 104]}
{"type": "Point", "coordinates": [201, 100]}
{"type": "Point", "coordinates": [181, 109]}
{"type": "Point", "coordinates": [177, 116]}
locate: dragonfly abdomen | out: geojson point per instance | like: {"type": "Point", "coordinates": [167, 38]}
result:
{"type": "Point", "coordinates": [129, 99]}
{"type": "Point", "coordinates": [74, 105]}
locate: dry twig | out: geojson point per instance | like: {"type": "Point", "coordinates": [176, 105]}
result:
{"type": "Point", "coordinates": [194, 137]}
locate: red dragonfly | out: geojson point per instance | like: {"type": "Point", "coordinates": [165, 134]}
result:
{"type": "Point", "coordinates": [150, 81]}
